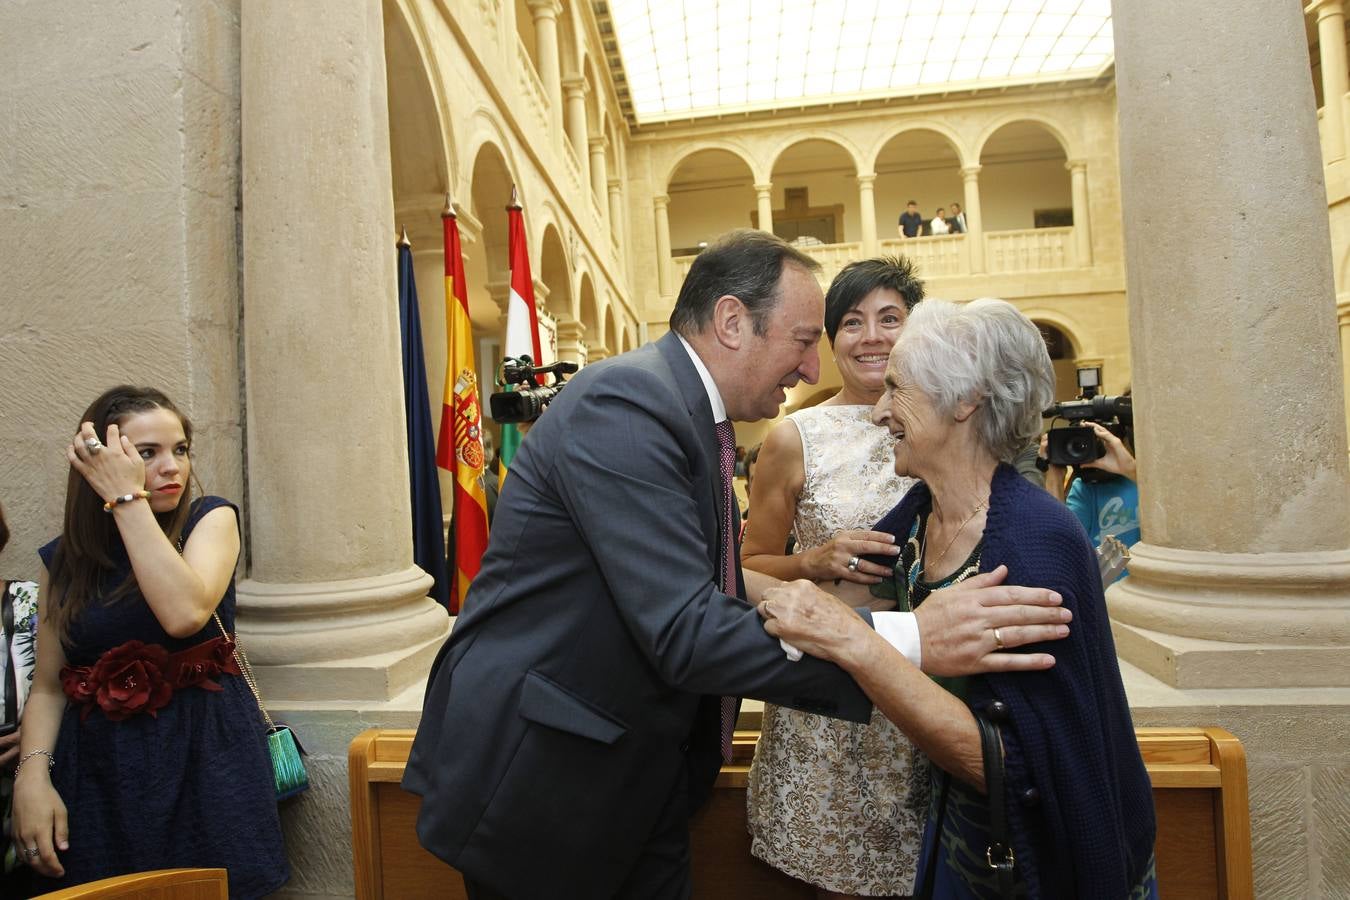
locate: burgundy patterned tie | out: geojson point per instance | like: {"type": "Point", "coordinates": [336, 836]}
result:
{"type": "Point", "coordinates": [726, 442]}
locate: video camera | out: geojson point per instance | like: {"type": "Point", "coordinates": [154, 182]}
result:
{"type": "Point", "coordinates": [526, 403]}
{"type": "Point", "coordinates": [1076, 443]}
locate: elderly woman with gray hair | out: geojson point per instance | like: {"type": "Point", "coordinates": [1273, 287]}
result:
{"type": "Point", "coordinates": [1038, 786]}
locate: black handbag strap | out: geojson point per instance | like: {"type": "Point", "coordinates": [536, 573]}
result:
{"type": "Point", "coordinates": [925, 891]}
{"type": "Point", "coordinates": [999, 853]}
{"type": "Point", "coordinates": [11, 685]}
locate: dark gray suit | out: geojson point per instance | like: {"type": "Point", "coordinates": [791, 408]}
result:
{"type": "Point", "coordinates": [568, 707]}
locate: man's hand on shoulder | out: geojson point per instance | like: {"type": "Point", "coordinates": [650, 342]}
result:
{"type": "Point", "coordinates": [964, 629]}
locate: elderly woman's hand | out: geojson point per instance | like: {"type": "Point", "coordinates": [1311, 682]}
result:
{"type": "Point", "coordinates": [814, 622]}
{"type": "Point", "coordinates": [841, 557]}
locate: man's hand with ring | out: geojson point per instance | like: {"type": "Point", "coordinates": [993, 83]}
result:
{"type": "Point", "coordinates": [965, 629]}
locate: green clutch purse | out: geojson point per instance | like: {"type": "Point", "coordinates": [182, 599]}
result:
{"type": "Point", "coordinates": [288, 764]}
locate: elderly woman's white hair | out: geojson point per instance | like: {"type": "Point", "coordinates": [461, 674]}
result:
{"type": "Point", "coordinates": [983, 352]}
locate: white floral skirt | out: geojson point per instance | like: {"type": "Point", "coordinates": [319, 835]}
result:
{"type": "Point", "coordinates": [838, 804]}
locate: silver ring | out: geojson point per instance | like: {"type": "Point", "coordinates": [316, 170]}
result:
{"type": "Point", "coordinates": [998, 639]}
{"type": "Point", "coordinates": [92, 445]}
{"type": "Point", "coordinates": [853, 563]}
{"type": "Point", "coordinates": [32, 852]}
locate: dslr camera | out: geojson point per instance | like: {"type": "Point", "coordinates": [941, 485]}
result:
{"type": "Point", "coordinates": [526, 402]}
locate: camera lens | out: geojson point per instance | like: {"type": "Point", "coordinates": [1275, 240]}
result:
{"type": "Point", "coordinates": [1080, 448]}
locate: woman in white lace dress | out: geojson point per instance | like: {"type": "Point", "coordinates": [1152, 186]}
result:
{"type": "Point", "coordinates": [836, 804]}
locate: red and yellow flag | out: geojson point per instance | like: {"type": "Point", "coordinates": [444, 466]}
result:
{"type": "Point", "coordinates": [459, 448]}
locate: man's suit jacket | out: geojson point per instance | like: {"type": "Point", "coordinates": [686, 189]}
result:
{"type": "Point", "coordinates": [569, 702]}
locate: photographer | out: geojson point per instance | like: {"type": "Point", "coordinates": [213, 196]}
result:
{"type": "Point", "coordinates": [1106, 502]}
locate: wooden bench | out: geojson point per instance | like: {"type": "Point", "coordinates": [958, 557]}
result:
{"type": "Point", "coordinates": [165, 884]}
{"type": "Point", "coordinates": [1199, 790]}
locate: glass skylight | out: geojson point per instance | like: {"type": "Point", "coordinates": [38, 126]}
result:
{"type": "Point", "coordinates": [686, 58]}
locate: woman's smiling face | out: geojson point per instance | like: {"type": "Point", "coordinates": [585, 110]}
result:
{"type": "Point", "coordinates": [866, 334]}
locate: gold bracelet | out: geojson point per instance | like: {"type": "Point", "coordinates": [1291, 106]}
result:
{"type": "Point", "coordinates": [125, 498]}
{"type": "Point", "coordinates": [51, 760]}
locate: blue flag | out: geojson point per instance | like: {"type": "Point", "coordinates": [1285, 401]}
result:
{"type": "Point", "coordinates": [427, 526]}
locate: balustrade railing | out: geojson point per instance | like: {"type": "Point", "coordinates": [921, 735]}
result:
{"type": "Point", "coordinates": [938, 256]}
{"type": "Point", "coordinates": [934, 256]}
{"type": "Point", "coordinates": [531, 86]}
{"type": "Point", "coordinates": [1029, 249]}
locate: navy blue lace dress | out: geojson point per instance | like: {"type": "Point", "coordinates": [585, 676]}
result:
{"type": "Point", "coordinates": [190, 786]}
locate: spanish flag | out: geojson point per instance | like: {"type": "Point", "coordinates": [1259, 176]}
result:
{"type": "Point", "coordinates": [459, 448]}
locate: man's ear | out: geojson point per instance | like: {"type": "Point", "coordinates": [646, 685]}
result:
{"type": "Point", "coordinates": [730, 321]}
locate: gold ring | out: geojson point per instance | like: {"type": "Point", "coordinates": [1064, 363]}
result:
{"type": "Point", "coordinates": [998, 639]}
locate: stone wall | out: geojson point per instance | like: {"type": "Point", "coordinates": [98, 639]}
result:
{"type": "Point", "coordinates": [119, 193]}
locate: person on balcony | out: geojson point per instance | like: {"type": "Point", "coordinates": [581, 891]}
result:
{"type": "Point", "coordinates": [956, 222]}
{"type": "Point", "coordinates": [939, 224]}
{"type": "Point", "coordinates": [911, 221]}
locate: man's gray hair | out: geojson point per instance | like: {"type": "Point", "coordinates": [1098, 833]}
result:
{"type": "Point", "coordinates": [983, 352]}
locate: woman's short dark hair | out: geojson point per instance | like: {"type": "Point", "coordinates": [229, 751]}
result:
{"type": "Point", "coordinates": [858, 279]}
{"type": "Point", "coordinates": [744, 263]}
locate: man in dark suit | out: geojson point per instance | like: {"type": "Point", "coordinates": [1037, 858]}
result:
{"type": "Point", "coordinates": [575, 717]}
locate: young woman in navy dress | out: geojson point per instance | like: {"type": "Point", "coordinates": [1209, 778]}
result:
{"type": "Point", "coordinates": [142, 746]}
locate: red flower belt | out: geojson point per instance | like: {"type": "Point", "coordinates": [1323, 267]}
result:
{"type": "Point", "coordinates": [141, 678]}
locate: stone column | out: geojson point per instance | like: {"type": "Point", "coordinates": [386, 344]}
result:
{"type": "Point", "coordinates": [764, 196]}
{"type": "Point", "coordinates": [1243, 575]}
{"type": "Point", "coordinates": [662, 203]}
{"type": "Point", "coordinates": [571, 345]}
{"type": "Point", "coordinates": [599, 177]}
{"type": "Point", "coordinates": [545, 13]}
{"type": "Point", "coordinates": [970, 177]}
{"type": "Point", "coordinates": [1335, 80]}
{"type": "Point", "coordinates": [333, 607]}
{"type": "Point", "coordinates": [574, 90]}
{"type": "Point", "coordinates": [1343, 327]}
{"type": "Point", "coordinates": [616, 211]}
{"type": "Point", "coordinates": [867, 211]}
{"type": "Point", "coordinates": [1082, 227]}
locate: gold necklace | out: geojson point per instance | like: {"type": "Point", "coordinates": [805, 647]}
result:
{"type": "Point", "coordinates": [960, 528]}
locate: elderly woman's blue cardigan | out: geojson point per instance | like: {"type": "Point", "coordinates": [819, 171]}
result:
{"type": "Point", "coordinates": [1079, 800]}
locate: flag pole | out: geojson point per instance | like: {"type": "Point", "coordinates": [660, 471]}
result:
{"type": "Point", "coordinates": [403, 239]}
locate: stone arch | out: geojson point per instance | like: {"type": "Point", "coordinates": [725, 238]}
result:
{"type": "Point", "coordinates": [490, 189]}
{"type": "Point", "coordinates": [611, 330]}
{"type": "Point", "coordinates": [920, 163]}
{"type": "Point", "coordinates": [963, 154]}
{"type": "Point", "coordinates": [594, 104]}
{"type": "Point", "coordinates": [710, 192]}
{"type": "Point", "coordinates": [588, 311]}
{"type": "Point", "coordinates": [421, 140]}
{"type": "Point", "coordinates": [1024, 182]}
{"type": "Point", "coordinates": [556, 274]}
{"type": "Point", "coordinates": [827, 137]}
{"type": "Point", "coordinates": [486, 129]}
{"type": "Point", "coordinates": [1056, 130]}
{"type": "Point", "coordinates": [756, 174]}
{"type": "Point", "coordinates": [815, 190]}
{"type": "Point", "coordinates": [1065, 365]}
{"type": "Point", "coordinates": [1074, 331]}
